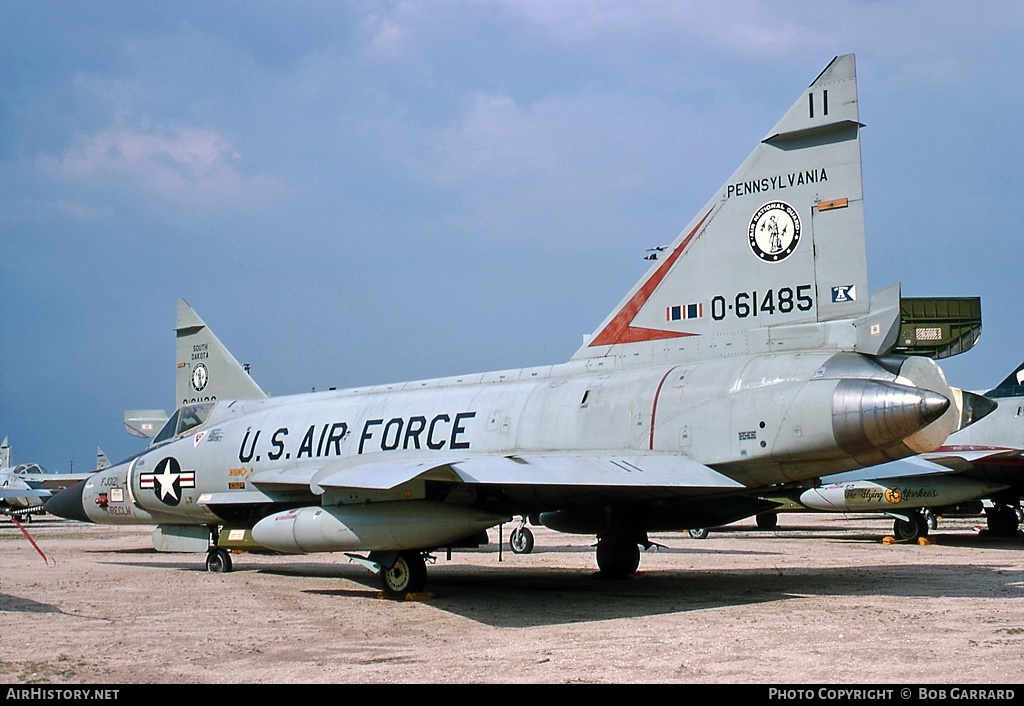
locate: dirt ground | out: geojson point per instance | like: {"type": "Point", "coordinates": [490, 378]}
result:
{"type": "Point", "coordinates": [821, 600]}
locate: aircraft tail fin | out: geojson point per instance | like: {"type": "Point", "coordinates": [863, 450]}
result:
{"type": "Point", "coordinates": [101, 459]}
{"type": "Point", "coordinates": [1012, 386]}
{"type": "Point", "coordinates": [206, 369]}
{"type": "Point", "coordinates": [5, 454]}
{"type": "Point", "coordinates": [144, 423]}
{"type": "Point", "coordinates": [776, 260]}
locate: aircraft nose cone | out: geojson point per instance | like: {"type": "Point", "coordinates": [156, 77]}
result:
{"type": "Point", "coordinates": [868, 415]}
{"type": "Point", "coordinates": [68, 503]}
{"type": "Point", "coordinates": [975, 407]}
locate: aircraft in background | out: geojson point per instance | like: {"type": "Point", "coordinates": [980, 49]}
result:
{"type": "Point", "coordinates": [979, 469]}
{"type": "Point", "coordinates": [25, 487]}
{"type": "Point", "coordinates": [911, 500]}
{"type": "Point", "coordinates": [17, 498]}
{"type": "Point", "coordinates": [206, 372]}
{"type": "Point", "coordinates": [747, 356]}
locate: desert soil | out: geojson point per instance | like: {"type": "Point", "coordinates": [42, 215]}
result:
{"type": "Point", "coordinates": [821, 600]}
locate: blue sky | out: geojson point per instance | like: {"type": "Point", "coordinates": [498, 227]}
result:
{"type": "Point", "coordinates": [352, 193]}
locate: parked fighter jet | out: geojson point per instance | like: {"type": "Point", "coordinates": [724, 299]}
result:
{"type": "Point", "coordinates": [17, 497]}
{"type": "Point", "coordinates": [1003, 434]}
{"type": "Point", "coordinates": [746, 356]}
{"type": "Point", "coordinates": [910, 499]}
{"type": "Point", "coordinates": [25, 487]}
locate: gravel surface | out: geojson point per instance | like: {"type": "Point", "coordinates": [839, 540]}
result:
{"type": "Point", "coordinates": [820, 600]}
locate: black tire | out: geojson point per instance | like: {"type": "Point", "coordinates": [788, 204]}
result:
{"type": "Point", "coordinates": [407, 575]}
{"type": "Point", "coordinates": [907, 530]}
{"type": "Point", "coordinates": [218, 561]}
{"type": "Point", "coordinates": [617, 557]}
{"type": "Point", "coordinates": [904, 530]}
{"type": "Point", "coordinates": [701, 533]}
{"type": "Point", "coordinates": [521, 540]}
{"type": "Point", "coordinates": [1002, 520]}
{"type": "Point", "coordinates": [767, 520]}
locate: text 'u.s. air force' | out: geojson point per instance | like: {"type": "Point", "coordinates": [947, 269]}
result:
{"type": "Point", "coordinates": [415, 432]}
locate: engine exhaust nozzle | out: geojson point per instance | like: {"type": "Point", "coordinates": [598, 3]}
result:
{"type": "Point", "coordinates": [870, 416]}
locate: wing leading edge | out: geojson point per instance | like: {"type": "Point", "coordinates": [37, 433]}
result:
{"type": "Point", "coordinates": [613, 471]}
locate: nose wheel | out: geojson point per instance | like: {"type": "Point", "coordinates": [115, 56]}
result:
{"type": "Point", "coordinates": [521, 539]}
{"type": "Point", "coordinates": [218, 561]}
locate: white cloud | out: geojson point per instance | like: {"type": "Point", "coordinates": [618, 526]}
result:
{"type": "Point", "coordinates": [180, 165]}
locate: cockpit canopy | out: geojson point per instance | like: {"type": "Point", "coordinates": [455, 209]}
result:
{"type": "Point", "coordinates": [29, 469]}
{"type": "Point", "coordinates": [184, 420]}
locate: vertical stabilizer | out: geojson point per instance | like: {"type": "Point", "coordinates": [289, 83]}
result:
{"type": "Point", "coordinates": [206, 370]}
{"type": "Point", "coordinates": [5, 454]}
{"type": "Point", "coordinates": [1012, 386]}
{"type": "Point", "coordinates": [776, 260]}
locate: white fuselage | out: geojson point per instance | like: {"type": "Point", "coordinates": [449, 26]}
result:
{"type": "Point", "coordinates": [760, 420]}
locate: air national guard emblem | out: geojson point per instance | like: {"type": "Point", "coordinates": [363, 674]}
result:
{"type": "Point", "coordinates": [774, 231]}
{"type": "Point", "coordinates": [200, 376]}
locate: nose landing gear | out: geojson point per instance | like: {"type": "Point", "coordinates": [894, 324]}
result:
{"type": "Point", "coordinates": [521, 539]}
{"type": "Point", "coordinates": [218, 560]}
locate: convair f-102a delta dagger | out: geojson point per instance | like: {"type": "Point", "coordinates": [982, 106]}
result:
{"type": "Point", "coordinates": [747, 356]}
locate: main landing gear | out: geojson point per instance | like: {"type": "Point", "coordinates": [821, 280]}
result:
{"type": "Point", "coordinates": [408, 574]}
{"type": "Point", "coordinates": [617, 556]}
{"type": "Point", "coordinates": [1002, 520]}
{"type": "Point", "coordinates": [915, 525]}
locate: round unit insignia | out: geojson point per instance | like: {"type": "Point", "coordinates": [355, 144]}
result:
{"type": "Point", "coordinates": [200, 376]}
{"type": "Point", "coordinates": [894, 495]}
{"type": "Point", "coordinates": [774, 231]}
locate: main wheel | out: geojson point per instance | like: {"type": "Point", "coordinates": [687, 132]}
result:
{"type": "Point", "coordinates": [521, 540]}
{"type": "Point", "coordinates": [617, 557]}
{"type": "Point", "coordinates": [916, 527]}
{"type": "Point", "coordinates": [767, 520]}
{"type": "Point", "coordinates": [701, 533]}
{"type": "Point", "coordinates": [904, 530]}
{"type": "Point", "coordinates": [1002, 520]}
{"type": "Point", "coordinates": [218, 561]}
{"type": "Point", "coordinates": [407, 575]}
